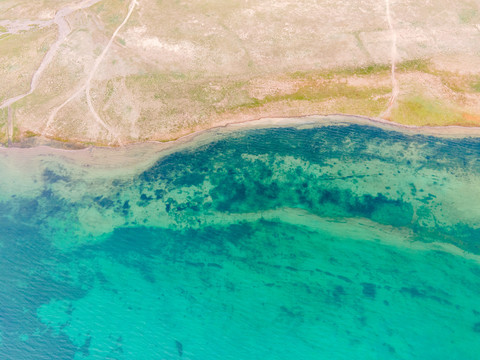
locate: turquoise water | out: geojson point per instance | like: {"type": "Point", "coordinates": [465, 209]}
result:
{"type": "Point", "coordinates": [333, 242]}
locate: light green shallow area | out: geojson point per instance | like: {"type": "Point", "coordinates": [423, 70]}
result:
{"type": "Point", "coordinates": [320, 242]}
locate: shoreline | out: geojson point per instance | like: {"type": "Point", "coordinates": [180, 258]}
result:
{"type": "Point", "coordinates": [142, 154]}
{"type": "Point", "coordinates": [441, 131]}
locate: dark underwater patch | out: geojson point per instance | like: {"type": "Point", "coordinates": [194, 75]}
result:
{"type": "Point", "coordinates": [104, 202]}
{"type": "Point", "coordinates": [51, 176]}
{"type": "Point", "coordinates": [476, 327]}
{"type": "Point", "coordinates": [369, 290]}
{"type": "Point", "coordinates": [243, 185]}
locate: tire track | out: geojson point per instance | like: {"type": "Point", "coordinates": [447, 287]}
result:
{"type": "Point", "coordinates": [87, 86]}
{"type": "Point", "coordinates": [63, 31]}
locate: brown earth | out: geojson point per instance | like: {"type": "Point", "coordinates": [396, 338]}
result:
{"type": "Point", "coordinates": [152, 70]}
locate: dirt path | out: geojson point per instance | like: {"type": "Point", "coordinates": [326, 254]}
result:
{"type": "Point", "coordinates": [63, 31]}
{"type": "Point", "coordinates": [393, 56]}
{"type": "Point", "coordinates": [94, 70]}
{"type": "Point", "coordinates": [87, 86]}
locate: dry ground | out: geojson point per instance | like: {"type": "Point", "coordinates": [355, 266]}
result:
{"type": "Point", "coordinates": [176, 67]}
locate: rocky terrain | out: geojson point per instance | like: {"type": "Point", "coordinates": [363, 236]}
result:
{"type": "Point", "coordinates": [112, 72]}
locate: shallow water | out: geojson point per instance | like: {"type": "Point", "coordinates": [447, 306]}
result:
{"type": "Point", "coordinates": [332, 242]}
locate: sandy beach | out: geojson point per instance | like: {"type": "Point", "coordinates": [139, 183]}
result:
{"type": "Point", "coordinates": [129, 155]}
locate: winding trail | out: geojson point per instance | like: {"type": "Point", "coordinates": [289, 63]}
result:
{"type": "Point", "coordinates": [87, 86]}
{"type": "Point", "coordinates": [393, 55]}
{"type": "Point", "coordinates": [63, 31]}
{"type": "Point", "coordinates": [95, 67]}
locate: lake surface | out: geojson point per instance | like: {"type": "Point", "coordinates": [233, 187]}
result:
{"type": "Point", "coordinates": [314, 242]}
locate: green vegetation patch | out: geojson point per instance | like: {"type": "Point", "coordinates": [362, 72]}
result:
{"type": "Point", "coordinates": [3, 126]}
{"type": "Point", "coordinates": [476, 85]}
{"type": "Point", "coordinates": [326, 91]}
{"type": "Point", "coordinates": [466, 15]}
{"type": "Point", "coordinates": [13, 45]}
{"type": "Point", "coordinates": [364, 70]}
{"type": "Point", "coordinates": [155, 81]}
{"type": "Point", "coordinates": [3, 116]}
{"type": "Point", "coordinates": [173, 86]}
{"type": "Point", "coordinates": [29, 134]}
{"type": "Point", "coordinates": [316, 93]}
{"type": "Point", "coordinates": [419, 110]}
{"type": "Point", "coordinates": [348, 71]}
{"type": "Point", "coordinates": [109, 90]}
{"type": "Point", "coordinates": [422, 65]}
{"type": "Point", "coordinates": [111, 12]}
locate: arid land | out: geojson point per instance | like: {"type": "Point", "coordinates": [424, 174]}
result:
{"type": "Point", "coordinates": [113, 72]}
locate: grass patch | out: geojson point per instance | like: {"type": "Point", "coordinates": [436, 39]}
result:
{"type": "Point", "coordinates": [114, 20]}
{"type": "Point", "coordinates": [13, 45]}
{"type": "Point", "coordinates": [459, 83]}
{"type": "Point", "coordinates": [326, 91]}
{"type": "Point", "coordinates": [3, 126]}
{"type": "Point", "coordinates": [109, 90]}
{"type": "Point", "coordinates": [419, 110]}
{"type": "Point", "coordinates": [476, 85]}
{"type": "Point", "coordinates": [364, 70]}
{"type": "Point", "coordinates": [154, 81]}
{"type": "Point", "coordinates": [111, 12]}
{"type": "Point", "coordinates": [323, 92]}
{"type": "Point", "coordinates": [361, 100]}
{"type": "Point", "coordinates": [467, 15]}
{"type": "Point", "coordinates": [330, 74]}
{"type": "Point", "coordinates": [195, 89]}
{"type": "Point", "coordinates": [422, 65]}
{"type": "Point", "coordinates": [3, 116]}
{"type": "Point", "coordinates": [29, 134]}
